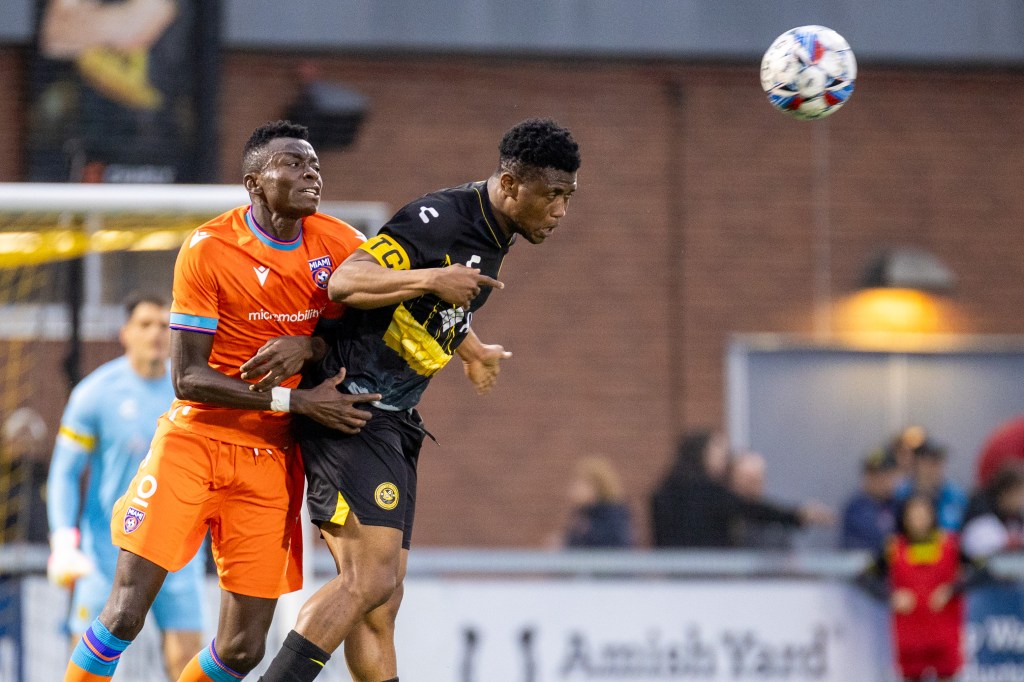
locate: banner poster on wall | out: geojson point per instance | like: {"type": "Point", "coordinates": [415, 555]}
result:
{"type": "Point", "coordinates": [123, 91]}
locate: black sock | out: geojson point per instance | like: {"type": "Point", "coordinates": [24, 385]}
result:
{"type": "Point", "coordinates": [393, 679]}
{"type": "Point", "coordinates": [299, 660]}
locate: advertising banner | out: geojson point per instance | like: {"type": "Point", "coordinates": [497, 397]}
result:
{"type": "Point", "coordinates": [588, 630]}
{"type": "Point", "coordinates": [995, 634]}
{"type": "Point", "coordinates": [640, 631]}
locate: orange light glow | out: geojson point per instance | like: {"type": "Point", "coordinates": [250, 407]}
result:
{"type": "Point", "coordinates": [892, 317]}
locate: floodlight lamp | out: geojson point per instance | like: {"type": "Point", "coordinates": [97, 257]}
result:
{"type": "Point", "coordinates": [908, 268]}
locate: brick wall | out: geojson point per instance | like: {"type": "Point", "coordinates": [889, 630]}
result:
{"type": "Point", "coordinates": [694, 220]}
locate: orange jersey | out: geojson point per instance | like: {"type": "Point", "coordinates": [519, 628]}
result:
{"type": "Point", "coordinates": [235, 281]}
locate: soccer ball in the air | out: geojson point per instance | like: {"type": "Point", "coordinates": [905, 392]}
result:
{"type": "Point", "coordinates": [808, 72]}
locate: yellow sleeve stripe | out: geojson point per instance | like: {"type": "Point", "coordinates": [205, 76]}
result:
{"type": "Point", "coordinates": [82, 440]}
{"type": "Point", "coordinates": [387, 251]}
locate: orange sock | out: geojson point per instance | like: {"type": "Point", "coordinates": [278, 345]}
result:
{"type": "Point", "coordinates": [76, 674]}
{"type": "Point", "coordinates": [193, 672]}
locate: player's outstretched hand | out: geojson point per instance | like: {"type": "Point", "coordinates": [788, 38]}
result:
{"type": "Point", "coordinates": [484, 368]}
{"type": "Point", "coordinates": [325, 404]}
{"type": "Point", "coordinates": [459, 285]}
{"type": "Point", "coordinates": [278, 359]}
{"type": "Point", "coordinates": [67, 563]}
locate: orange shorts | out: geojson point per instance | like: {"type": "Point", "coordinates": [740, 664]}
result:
{"type": "Point", "coordinates": [250, 500]}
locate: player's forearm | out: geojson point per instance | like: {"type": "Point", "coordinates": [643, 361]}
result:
{"type": "Point", "coordinates": [363, 284]}
{"type": "Point", "coordinates": [471, 347]}
{"type": "Point", "coordinates": [63, 483]}
{"type": "Point", "coordinates": [208, 386]}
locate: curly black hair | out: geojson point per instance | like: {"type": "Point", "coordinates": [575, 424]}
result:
{"type": "Point", "coordinates": [253, 156]}
{"type": "Point", "coordinates": [538, 143]}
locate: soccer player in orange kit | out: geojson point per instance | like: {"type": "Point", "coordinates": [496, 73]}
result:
{"type": "Point", "coordinates": [252, 281]}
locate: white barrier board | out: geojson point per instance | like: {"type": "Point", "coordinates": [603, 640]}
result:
{"type": "Point", "coordinates": [575, 630]}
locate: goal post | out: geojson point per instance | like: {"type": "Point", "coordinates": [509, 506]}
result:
{"type": "Point", "coordinates": [45, 222]}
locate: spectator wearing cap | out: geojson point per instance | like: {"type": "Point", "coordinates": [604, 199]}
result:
{"type": "Point", "coordinates": [869, 517]}
{"type": "Point", "coordinates": [928, 477]}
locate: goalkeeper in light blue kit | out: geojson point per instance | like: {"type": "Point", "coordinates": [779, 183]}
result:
{"type": "Point", "coordinates": [104, 435]}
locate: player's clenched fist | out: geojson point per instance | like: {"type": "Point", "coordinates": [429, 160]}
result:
{"type": "Point", "coordinates": [459, 285]}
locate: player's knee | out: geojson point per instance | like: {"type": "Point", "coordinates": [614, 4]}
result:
{"type": "Point", "coordinates": [123, 623]}
{"type": "Point", "coordinates": [241, 653]}
{"type": "Point", "coordinates": [375, 588]}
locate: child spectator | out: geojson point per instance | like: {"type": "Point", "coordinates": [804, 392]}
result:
{"type": "Point", "coordinates": [924, 580]}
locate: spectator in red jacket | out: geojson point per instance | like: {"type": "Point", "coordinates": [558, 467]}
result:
{"type": "Point", "coordinates": [926, 583]}
{"type": "Point", "coordinates": [1004, 445]}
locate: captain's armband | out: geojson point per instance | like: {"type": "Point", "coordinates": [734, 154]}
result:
{"type": "Point", "coordinates": [387, 252]}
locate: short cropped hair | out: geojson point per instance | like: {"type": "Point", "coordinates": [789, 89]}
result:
{"type": "Point", "coordinates": [536, 144]}
{"type": "Point", "coordinates": [137, 298]}
{"type": "Point", "coordinates": [254, 153]}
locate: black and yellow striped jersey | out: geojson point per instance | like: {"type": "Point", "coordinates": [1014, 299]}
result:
{"type": "Point", "coordinates": [395, 350]}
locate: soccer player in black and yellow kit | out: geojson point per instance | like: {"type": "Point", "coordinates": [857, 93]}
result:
{"type": "Point", "coordinates": [411, 294]}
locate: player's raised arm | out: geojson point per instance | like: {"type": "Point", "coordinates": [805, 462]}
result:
{"type": "Point", "coordinates": [362, 282]}
{"type": "Point", "coordinates": [196, 381]}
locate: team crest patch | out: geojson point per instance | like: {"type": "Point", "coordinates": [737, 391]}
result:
{"type": "Point", "coordinates": [321, 269]}
{"type": "Point", "coordinates": [133, 518]}
{"type": "Point", "coordinates": [386, 496]}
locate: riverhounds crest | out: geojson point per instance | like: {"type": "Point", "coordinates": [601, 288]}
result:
{"type": "Point", "coordinates": [321, 269]}
{"type": "Point", "coordinates": [133, 519]}
{"type": "Point", "coordinates": [386, 496]}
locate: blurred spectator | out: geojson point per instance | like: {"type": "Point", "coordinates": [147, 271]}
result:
{"type": "Point", "coordinates": [870, 516]}
{"type": "Point", "coordinates": [599, 517]}
{"type": "Point", "coordinates": [24, 460]}
{"type": "Point", "coordinates": [995, 515]}
{"type": "Point", "coordinates": [928, 477]}
{"type": "Point", "coordinates": [923, 577]}
{"type": "Point", "coordinates": [747, 479]}
{"type": "Point", "coordinates": [1005, 444]}
{"type": "Point", "coordinates": [901, 448]}
{"type": "Point", "coordinates": [693, 506]}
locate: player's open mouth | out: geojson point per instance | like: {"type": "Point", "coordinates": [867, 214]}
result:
{"type": "Point", "coordinates": [311, 191]}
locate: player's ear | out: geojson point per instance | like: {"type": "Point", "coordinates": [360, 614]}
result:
{"type": "Point", "coordinates": [251, 182]}
{"type": "Point", "coordinates": [509, 184]}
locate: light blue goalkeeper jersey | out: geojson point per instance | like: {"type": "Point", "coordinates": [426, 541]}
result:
{"type": "Point", "coordinates": [106, 430]}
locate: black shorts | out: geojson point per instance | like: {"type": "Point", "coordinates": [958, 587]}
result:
{"type": "Point", "coordinates": [371, 474]}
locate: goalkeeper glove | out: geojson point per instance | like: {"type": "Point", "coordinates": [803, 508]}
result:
{"type": "Point", "coordinates": [67, 562]}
